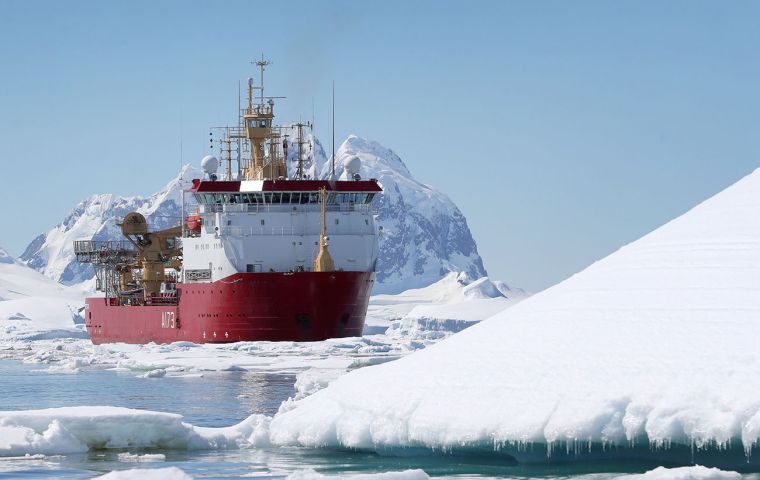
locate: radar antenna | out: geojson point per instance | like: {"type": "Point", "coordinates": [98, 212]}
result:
{"type": "Point", "coordinates": [262, 64]}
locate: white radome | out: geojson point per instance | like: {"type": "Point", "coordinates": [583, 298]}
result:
{"type": "Point", "coordinates": [352, 164]}
{"type": "Point", "coordinates": [209, 164]}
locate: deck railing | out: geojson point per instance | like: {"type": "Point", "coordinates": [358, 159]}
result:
{"type": "Point", "coordinates": [284, 208]}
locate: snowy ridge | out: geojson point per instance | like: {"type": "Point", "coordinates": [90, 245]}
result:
{"type": "Point", "coordinates": [5, 257]}
{"type": "Point", "coordinates": [52, 253]}
{"type": "Point", "coordinates": [652, 349]}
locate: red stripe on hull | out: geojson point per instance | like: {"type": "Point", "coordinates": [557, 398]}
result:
{"type": "Point", "coordinates": [299, 306]}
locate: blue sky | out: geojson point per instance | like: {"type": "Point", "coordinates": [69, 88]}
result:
{"type": "Point", "coordinates": [562, 130]}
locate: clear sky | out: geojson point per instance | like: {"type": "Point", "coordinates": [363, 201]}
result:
{"type": "Point", "coordinates": [562, 130]}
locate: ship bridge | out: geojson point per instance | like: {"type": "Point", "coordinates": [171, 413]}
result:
{"type": "Point", "coordinates": [275, 226]}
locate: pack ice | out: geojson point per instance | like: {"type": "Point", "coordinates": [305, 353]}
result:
{"type": "Point", "coordinates": [652, 351]}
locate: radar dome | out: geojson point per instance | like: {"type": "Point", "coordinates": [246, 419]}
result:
{"type": "Point", "coordinates": [352, 164]}
{"type": "Point", "coordinates": [209, 164]}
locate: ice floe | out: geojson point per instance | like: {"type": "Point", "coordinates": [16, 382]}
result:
{"type": "Point", "coordinates": [78, 429]}
{"type": "Point", "coordinates": [168, 473]}
{"type": "Point", "coordinates": [696, 472]}
{"type": "Point", "coordinates": [311, 474]}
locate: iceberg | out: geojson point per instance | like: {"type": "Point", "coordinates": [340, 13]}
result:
{"type": "Point", "coordinates": [650, 352]}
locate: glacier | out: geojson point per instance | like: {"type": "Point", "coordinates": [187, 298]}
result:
{"type": "Point", "coordinates": [650, 352]}
{"type": "Point", "coordinates": [424, 235]}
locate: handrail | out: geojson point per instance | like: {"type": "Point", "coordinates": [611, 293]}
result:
{"type": "Point", "coordinates": [103, 246]}
{"type": "Point", "coordinates": [283, 230]}
{"type": "Point", "coordinates": [282, 208]}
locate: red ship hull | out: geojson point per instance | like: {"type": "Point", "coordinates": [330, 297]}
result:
{"type": "Point", "coordinates": [297, 306]}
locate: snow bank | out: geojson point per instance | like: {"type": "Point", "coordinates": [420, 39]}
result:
{"type": "Point", "coordinates": [66, 430]}
{"type": "Point", "coordinates": [310, 474]}
{"type": "Point", "coordinates": [654, 346]}
{"type": "Point", "coordinates": [34, 307]}
{"type": "Point", "coordinates": [434, 312]}
{"type": "Point", "coordinates": [169, 473]}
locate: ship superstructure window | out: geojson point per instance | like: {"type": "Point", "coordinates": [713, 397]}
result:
{"type": "Point", "coordinates": [254, 123]}
{"type": "Point", "coordinates": [285, 198]}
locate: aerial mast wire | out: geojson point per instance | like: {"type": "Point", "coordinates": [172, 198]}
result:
{"type": "Point", "coordinates": [333, 130]}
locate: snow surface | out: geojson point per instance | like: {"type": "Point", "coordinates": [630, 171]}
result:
{"type": "Point", "coordinates": [656, 343]}
{"type": "Point", "coordinates": [33, 306]}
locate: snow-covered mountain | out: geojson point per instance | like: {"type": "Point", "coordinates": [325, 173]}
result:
{"type": "Point", "coordinates": [52, 253]}
{"type": "Point", "coordinates": [424, 235]}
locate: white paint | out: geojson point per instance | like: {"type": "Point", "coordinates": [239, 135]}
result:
{"type": "Point", "coordinates": [251, 185]}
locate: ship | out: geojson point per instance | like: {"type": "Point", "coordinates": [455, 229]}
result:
{"type": "Point", "coordinates": [258, 254]}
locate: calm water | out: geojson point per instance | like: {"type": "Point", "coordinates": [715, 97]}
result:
{"type": "Point", "coordinates": [223, 399]}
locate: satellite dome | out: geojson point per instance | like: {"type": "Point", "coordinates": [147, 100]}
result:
{"type": "Point", "coordinates": [209, 164]}
{"type": "Point", "coordinates": [352, 165]}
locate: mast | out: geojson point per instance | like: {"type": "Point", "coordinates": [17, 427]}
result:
{"type": "Point", "coordinates": [261, 135]}
{"type": "Point", "coordinates": [300, 142]}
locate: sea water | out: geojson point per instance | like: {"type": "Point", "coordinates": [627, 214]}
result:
{"type": "Point", "coordinates": [217, 399]}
